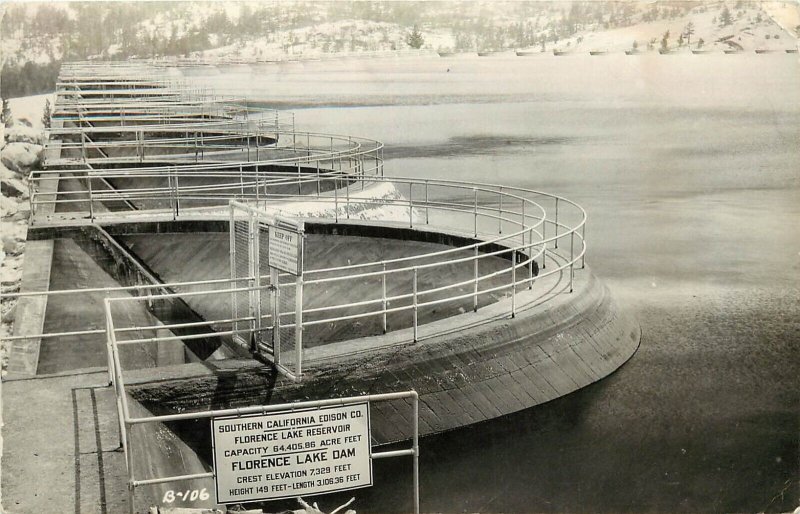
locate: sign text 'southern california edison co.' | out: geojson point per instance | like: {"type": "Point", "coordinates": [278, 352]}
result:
{"type": "Point", "coordinates": [290, 454]}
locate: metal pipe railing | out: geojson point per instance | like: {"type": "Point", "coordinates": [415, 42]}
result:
{"type": "Point", "coordinates": [126, 422]}
{"type": "Point", "coordinates": [512, 241]}
{"type": "Point", "coordinates": [216, 130]}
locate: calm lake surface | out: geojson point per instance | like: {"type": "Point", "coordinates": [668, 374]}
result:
{"type": "Point", "coordinates": [689, 169]}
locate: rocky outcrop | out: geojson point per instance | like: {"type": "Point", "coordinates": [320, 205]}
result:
{"type": "Point", "coordinates": [21, 157]}
{"type": "Point", "coordinates": [20, 152]}
{"type": "Point", "coordinates": [21, 149]}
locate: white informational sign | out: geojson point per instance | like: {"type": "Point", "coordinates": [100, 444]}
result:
{"type": "Point", "coordinates": [285, 250]}
{"type": "Point", "coordinates": [291, 453]}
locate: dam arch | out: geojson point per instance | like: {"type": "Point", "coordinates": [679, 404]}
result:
{"type": "Point", "coordinates": [521, 320]}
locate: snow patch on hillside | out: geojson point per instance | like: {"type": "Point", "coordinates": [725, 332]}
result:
{"type": "Point", "coordinates": [751, 28]}
{"type": "Point", "coordinates": [30, 109]}
{"type": "Point", "coordinates": [343, 36]}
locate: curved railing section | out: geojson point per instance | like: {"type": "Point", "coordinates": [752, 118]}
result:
{"type": "Point", "coordinates": [187, 159]}
{"type": "Point", "coordinates": [510, 239]}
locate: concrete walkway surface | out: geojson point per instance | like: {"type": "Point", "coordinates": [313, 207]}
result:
{"type": "Point", "coordinates": [61, 442]}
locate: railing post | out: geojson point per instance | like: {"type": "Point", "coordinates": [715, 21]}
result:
{"type": "Point", "coordinates": [120, 421]}
{"type": "Point", "coordinates": [275, 313]}
{"type": "Point", "coordinates": [427, 216]}
{"type": "Point", "coordinates": [544, 244]}
{"type": "Point", "coordinates": [410, 205]}
{"type": "Point", "coordinates": [583, 244]}
{"type": "Point", "coordinates": [500, 213]}
{"type": "Point", "coordinates": [141, 145]}
{"type": "Point", "coordinates": [91, 198]}
{"type": "Point", "coordinates": [129, 460]}
{"type": "Point", "coordinates": [253, 271]}
{"type": "Point", "coordinates": [556, 223]}
{"type": "Point", "coordinates": [347, 197]}
{"type": "Point", "coordinates": [383, 298]}
{"type": "Point", "coordinates": [110, 363]}
{"type": "Point", "coordinates": [258, 186]}
{"type": "Point", "coordinates": [177, 193]}
{"type": "Point", "coordinates": [513, 283]}
{"type": "Point", "coordinates": [32, 195]}
{"type": "Point", "coordinates": [475, 210]}
{"type": "Point", "coordinates": [336, 198]}
{"type": "Point", "coordinates": [299, 182]}
{"type": "Point", "coordinates": [415, 305]}
{"type": "Point", "coordinates": [298, 324]}
{"type": "Point", "coordinates": [232, 257]}
{"type": "Point", "coordinates": [416, 453]}
{"type": "Point", "coordinates": [241, 181]}
{"type": "Point", "coordinates": [571, 263]}
{"type": "Point", "coordinates": [171, 194]}
{"type": "Point", "coordinates": [475, 269]}
{"type": "Point", "coordinates": [530, 261]}
{"type": "Point", "coordinates": [318, 184]}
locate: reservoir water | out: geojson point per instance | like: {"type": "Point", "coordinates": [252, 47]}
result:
{"type": "Point", "coordinates": [689, 169]}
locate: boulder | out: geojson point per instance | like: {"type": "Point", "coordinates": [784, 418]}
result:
{"type": "Point", "coordinates": [13, 187]}
{"type": "Point", "coordinates": [8, 316]}
{"type": "Point", "coordinates": [8, 206]}
{"type": "Point", "coordinates": [24, 133]}
{"type": "Point", "coordinates": [21, 157]}
{"type": "Point", "coordinates": [22, 214]}
{"type": "Point", "coordinates": [12, 246]}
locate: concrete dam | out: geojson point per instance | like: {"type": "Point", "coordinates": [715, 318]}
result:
{"type": "Point", "coordinates": [148, 288]}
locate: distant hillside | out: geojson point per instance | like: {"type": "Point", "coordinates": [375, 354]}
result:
{"type": "Point", "coordinates": [739, 26]}
{"type": "Point", "coordinates": [37, 37]}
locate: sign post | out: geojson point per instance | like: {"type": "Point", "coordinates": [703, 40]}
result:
{"type": "Point", "coordinates": [292, 453]}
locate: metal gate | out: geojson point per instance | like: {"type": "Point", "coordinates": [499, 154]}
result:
{"type": "Point", "coordinates": [268, 316]}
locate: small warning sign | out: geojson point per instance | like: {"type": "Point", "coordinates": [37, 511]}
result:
{"type": "Point", "coordinates": [290, 454]}
{"type": "Point", "coordinates": [286, 250]}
